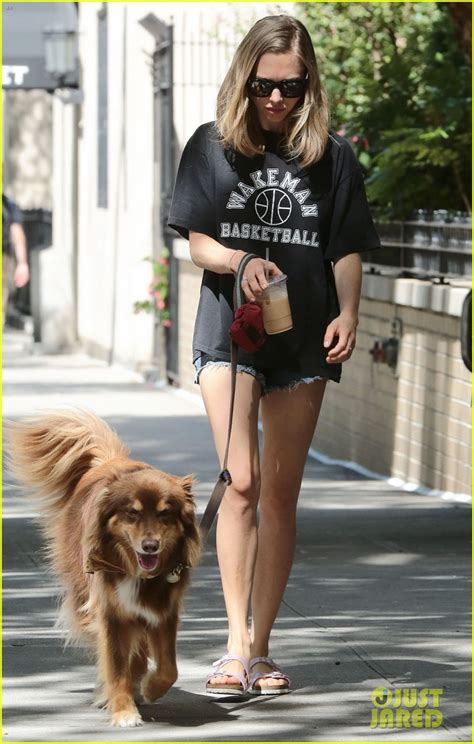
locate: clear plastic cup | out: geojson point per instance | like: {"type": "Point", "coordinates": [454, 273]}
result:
{"type": "Point", "coordinates": [275, 306]}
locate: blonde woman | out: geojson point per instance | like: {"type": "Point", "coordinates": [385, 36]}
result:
{"type": "Point", "coordinates": [269, 173]}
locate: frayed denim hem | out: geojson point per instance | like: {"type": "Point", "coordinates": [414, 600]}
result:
{"type": "Point", "coordinates": [241, 368]}
{"type": "Point", "coordinates": [259, 376]}
{"type": "Point", "coordinates": [294, 384]}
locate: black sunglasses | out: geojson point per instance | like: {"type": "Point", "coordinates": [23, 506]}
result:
{"type": "Point", "coordinates": [261, 87]}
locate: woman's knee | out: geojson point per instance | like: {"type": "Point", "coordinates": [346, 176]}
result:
{"type": "Point", "coordinates": [244, 491]}
{"type": "Point", "coordinates": [279, 500]}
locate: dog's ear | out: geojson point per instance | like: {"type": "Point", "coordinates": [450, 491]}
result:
{"type": "Point", "coordinates": [187, 484]}
{"type": "Point", "coordinates": [94, 518]}
{"type": "Point", "coordinates": [192, 545]}
{"type": "Point", "coordinates": [188, 509]}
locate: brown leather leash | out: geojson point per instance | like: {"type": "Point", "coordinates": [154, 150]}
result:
{"type": "Point", "coordinates": [225, 478]}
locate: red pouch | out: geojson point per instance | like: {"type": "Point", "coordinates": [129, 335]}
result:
{"type": "Point", "coordinates": [247, 328]}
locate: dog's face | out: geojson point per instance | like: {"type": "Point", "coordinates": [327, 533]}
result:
{"type": "Point", "coordinates": [146, 518]}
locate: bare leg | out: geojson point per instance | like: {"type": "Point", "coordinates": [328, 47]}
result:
{"type": "Point", "coordinates": [289, 420]}
{"type": "Point", "coordinates": [236, 527]}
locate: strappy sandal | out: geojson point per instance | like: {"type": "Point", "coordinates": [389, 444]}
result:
{"type": "Point", "coordinates": [276, 673]}
{"type": "Point", "coordinates": [229, 689]}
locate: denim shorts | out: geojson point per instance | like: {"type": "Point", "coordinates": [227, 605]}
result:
{"type": "Point", "coordinates": [270, 380]}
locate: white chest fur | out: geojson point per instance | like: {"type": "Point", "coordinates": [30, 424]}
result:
{"type": "Point", "coordinates": [127, 593]}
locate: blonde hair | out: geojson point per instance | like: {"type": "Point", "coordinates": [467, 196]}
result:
{"type": "Point", "coordinates": [306, 128]}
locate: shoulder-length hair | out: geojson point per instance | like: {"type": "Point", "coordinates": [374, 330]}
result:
{"type": "Point", "coordinates": [306, 128]}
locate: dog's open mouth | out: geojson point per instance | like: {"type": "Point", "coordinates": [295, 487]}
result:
{"type": "Point", "coordinates": [147, 561]}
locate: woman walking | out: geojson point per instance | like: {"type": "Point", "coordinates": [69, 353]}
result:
{"type": "Point", "coordinates": [268, 174]}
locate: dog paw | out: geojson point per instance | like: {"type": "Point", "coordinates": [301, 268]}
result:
{"type": "Point", "coordinates": [127, 719]}
{"type": "Point", "coordinates": [154, 686]}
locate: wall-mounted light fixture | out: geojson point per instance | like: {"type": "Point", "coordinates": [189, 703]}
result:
{"type": "Point", "coordinates": [60, 47]}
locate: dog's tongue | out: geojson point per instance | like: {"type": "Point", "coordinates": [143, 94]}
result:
{"type": "Point", "coordinates": [147, 561]}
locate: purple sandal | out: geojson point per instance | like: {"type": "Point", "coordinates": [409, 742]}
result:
{"type": "Point", "coordinates": [276, 673]}
{"type": "Point", "coordinates": [228, 689]}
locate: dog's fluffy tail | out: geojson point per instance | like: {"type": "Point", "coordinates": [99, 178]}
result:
{"type": "Point", "coordinates": [51, 452]}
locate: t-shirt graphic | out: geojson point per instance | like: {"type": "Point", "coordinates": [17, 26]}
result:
{"type": "Point", "coordinates": [306, 218]}
{"type": "Point", "coordinates": [273, 196]}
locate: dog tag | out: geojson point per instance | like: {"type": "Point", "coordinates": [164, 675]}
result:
{"type": "Point", "coordinates": [174, 576]}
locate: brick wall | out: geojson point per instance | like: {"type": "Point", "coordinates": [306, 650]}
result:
{"type": "Point", "coordinates": [414, 424]}
{"type": "Point", "coordinates": [189, 286]}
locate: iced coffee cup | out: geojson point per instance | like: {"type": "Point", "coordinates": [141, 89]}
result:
{"type": "Point", "coordinates": [276, 309]}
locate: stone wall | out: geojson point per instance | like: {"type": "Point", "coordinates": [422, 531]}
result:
{"type": "Point", "coordinates": [27, 147]}
{"type": "Point", "coordinates": [189, 286]}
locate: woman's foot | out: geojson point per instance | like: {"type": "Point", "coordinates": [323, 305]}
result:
{"type": "Point", "coordinates": [266, 677]}
{"type": "Point", "coordinates": [230, 676]}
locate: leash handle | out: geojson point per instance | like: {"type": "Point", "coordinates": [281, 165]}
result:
{"type": "Point", "coordinates": [225, 478]}
{"type": "Point", "coordinates": [238, 293]}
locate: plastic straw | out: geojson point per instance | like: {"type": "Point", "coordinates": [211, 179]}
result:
{"type": "Point", "coordinates": [267, 258]}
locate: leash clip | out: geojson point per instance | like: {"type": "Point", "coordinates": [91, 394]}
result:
{"type": "Point", "coordinates": [226, 477]}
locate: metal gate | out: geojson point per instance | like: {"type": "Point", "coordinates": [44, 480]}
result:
{"type": "Point", "coordinates": [164, 176]}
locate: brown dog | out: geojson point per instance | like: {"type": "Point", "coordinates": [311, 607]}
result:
{"type": "Point", "coordinates": [121, 538]}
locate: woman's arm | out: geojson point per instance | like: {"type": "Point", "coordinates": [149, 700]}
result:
{"type": "Point", "coordinates": [208, 254]}
{"type": "Point", "coordinates": [348, 278]}
{"type": "Point", "coordinates": [18, 239]}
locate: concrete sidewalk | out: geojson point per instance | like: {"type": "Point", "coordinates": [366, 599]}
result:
{"type": "Point", "coordinates": [379, 595]}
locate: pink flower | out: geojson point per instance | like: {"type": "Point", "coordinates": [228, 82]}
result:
{"type": "Point", "coordinates": [157, 295]}
{"type": "Point", "coordinates": [160, 304]}
{"type": "Point", "coordinates": [355, 138]}
{"type": "Point", "coordinates": [167, 323]}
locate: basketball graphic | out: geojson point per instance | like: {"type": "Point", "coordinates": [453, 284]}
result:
{"type": "Point", "coordinates": [273, 206]}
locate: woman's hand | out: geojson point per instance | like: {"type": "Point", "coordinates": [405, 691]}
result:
{"type": "Point", "coordinates": [344, 329]}
{"type": "Point", "coordinates": [254, 279]}
{"type": "Point", "coordinates": [348, 278]}
{"type": "Point", "coordinates": [22, 274]}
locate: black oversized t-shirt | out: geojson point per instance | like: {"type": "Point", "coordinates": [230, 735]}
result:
{"type": "Point", "coordinates": [307, 217]}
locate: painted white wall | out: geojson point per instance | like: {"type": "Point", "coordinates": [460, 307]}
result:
{"type": "Point", "coordinates": [57, 312]}
{"type": "Point", "coordinates": [113, 241]}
